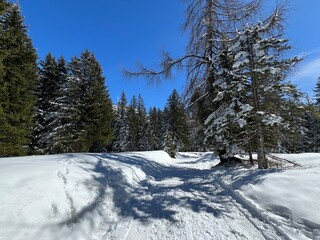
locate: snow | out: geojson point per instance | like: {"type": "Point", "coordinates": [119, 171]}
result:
{"type": "Point", "coordinates": [148, 195]}
{"type": "Point", "coordinates": [241, 122]}
{"type": "Point", "coordinates": [260, 53]}
{"type": "Point", "coordinates": [241, 55]}
{"type": "Point", "coordinates": [271, 119]}
{"type": "Point", "coordinates": [286, 88]}
{"type": "Point", "coordinates": [287, 198]}
{"type": "Point", "coordinates": [246, 108]}
{"type": "Point", "coordinates": [239, 63]}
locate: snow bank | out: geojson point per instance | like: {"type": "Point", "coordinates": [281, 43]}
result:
{"type": "Point", "coordinates": [68, 196]}
{"type": "Point", "coordinates": [290, 198]}
{"type": "Point", "coordinates": [307, 160]}
{"type": "Point", "coordinates": [196, 160]}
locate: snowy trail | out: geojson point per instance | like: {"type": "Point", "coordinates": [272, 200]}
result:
{"type": "Point", "coordinates": [182, 203]}
{"type": "Point", "coordinates": [128, 196]}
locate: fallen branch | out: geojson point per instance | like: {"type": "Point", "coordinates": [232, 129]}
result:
{"type": "Point", "coordinates": [284, 160]}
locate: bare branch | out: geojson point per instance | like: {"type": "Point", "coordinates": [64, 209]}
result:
{"type": "Point", "coordinates": [166, 67]}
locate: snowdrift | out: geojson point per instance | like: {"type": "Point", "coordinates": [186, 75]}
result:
{"type": "Point", "coordinates": [288, 197]}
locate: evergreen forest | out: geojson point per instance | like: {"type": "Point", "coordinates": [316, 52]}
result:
{"type": "Point", "coordinates": [237, 98]}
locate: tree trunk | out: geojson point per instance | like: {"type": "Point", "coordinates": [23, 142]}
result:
{"type": "Point", "coordinates": [250, 153]}
{"type": "Point", "coordinates": [223, 160]}
{"type": "Point", "coordinates": [262, 159]}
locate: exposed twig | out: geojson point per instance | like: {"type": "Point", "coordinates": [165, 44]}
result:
{"type": "Point", "coordinates": [284, 160]}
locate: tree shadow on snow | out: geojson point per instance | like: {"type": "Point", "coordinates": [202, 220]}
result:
{"type": "Point", "coordinates": [157, 197]}
{"type": "Point", "coordinates": [240, 178]}
{"type": "Point", "coordinates": [149, 199]}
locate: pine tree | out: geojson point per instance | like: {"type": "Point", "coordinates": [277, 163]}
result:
{"type": "Point", "coordinates": [310, 139]}
{"type": "Point", "coordinates": [149, 136]}
{"type": "Point", "coordinates": [4, 125]}
{"type": "Point", "coordinates": [18, 79]}
{"type": "Point", "coordinates": [175, 130]}
{"type": "Point", "coordinates": [63, 111]}
{"type": "Point", "coordinates": [168, 143]}
{"type": "Point", "coordinates": [90, 105]}
{"type": "Point", "coordinates": [133, 125]}
{"type": "Point", "coordinates": [74, 92]}
{"type": "Point", "coordinates": [96, 108]}
{"type": "Point", "coordinates": [287, 136]}
{"type": "Point", "coordinates": [154, 128]}
{"type": "Point", "coordinates": [317, 93]}
{"type": "Point", "coordinates": [46, 114]}
{"type": "Point", "coordinates": [143, 143]}
{"type": "Point", "coordinates": [121, 126]}
{"type": "Point", "coordinates": [99, 112]}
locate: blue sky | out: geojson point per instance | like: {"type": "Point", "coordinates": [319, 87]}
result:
{"type": "Point", "coordinates": [123, 32]}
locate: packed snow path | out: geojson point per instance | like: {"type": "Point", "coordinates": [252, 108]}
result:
{"type": "Point", "coordinates": [123, 196]}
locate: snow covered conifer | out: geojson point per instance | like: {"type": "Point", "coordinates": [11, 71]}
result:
{"type": "Point", "coordinates": [154, 128]}
{"type": "Point", "coordinates": [169, 143]}
{"type": "Point", "coordinates": [91, 105]}
{"type": "Point", "coordinates": [143, 143]}
{"type": "Point", "coordinates": [133, 125]}
{"type": "Point", "coordinates": [210, 24]}
{"type": "Point", "coordinates": [121, 126]}
{"type": "Point", "coordinates": [97, 114]}
{"type": "Point", "coordinates": [137, 121]}
{"type": "Point", "coordinates": [252, 87]}
{"type": "Point", "coordinates": [176, 132]}
{"type": "Point", "coordinates": [74, 91]}
{"type": "Point", "coordinates": [310, 141]}
{"type": "Point", "coordinates": [63, 133]}
{"type": "Point", "coordinates": [47, 94]}
{"type": "Point", "coordinates": [317, 93]}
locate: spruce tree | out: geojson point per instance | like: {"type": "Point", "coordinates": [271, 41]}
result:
{"type": "Point", "coordinates": [18, 77]}
{"type": "Point", "coordinates": [4, 125]}
{"type": "Point", "coordinates": [63, 111]}
{"type": "Point", "coordinates": [90, 105]}
{"type": "Point", "coordinates": [96, 110]}
{"type": "Point", "coordinates": [317, 93]}
{"type": "Point", "coordinates": [75, 89]}
{"type": "Point", "coordinates": [154, 128]}
{"type": "Point", "coordinates": [169, 143]}
{"type": "Point", "coordinates": [46, 120]}
{"type": "Point", "coordinates": [121, 126]}
{"type": "Point", "coordinates": [143, 143]}
{"type": "Point", "coordinates": [176, 132]}
{"type": "Point", "coordinates": [133, 121]}
{"type": "Point", "coordinates": [310, 140]}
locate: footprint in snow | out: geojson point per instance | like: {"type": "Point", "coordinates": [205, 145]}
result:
{"type": "Point", "coordinates": [61, 177]}
{"type": "Point", "coordinates": [54, 209]}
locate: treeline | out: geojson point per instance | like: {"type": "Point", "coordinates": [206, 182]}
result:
{"type": "Point", "coordinates": [73, 109]}
{"type": "Point", "coordinates": [74, 113]}
{"type": "Point", "coordinates": [137, 130]}
{"type": "Point", "coordinates": [58, 106]}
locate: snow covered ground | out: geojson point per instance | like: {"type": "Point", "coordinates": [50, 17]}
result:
{"type": "Point", "coordinates": [148, 195]}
